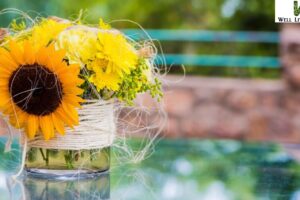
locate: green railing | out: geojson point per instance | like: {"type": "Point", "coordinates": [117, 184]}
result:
{"type": "Point", "coordinates": [211, 36]}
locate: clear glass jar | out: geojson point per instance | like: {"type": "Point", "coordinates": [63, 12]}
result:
{"type": "Point", "coordinates": [66, 164]}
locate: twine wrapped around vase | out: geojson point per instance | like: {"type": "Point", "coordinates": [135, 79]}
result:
{"type": "Point", "coordinates": [96, 129]}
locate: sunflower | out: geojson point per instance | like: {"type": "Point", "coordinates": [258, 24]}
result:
{"type": "Point", "coordinates": [39, 91]}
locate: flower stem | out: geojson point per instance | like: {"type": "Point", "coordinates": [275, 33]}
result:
{"type": "Point", "coordinates": [69, 158]}
{"type": "Point", "coordinates": [45, 158]}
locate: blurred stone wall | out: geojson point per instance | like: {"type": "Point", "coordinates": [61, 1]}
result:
{"type": "Point", "coordinates": [260, 110]}
{"type": "Point", "coordinates": [232, 108]}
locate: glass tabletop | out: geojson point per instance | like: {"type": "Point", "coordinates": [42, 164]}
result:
{"type": "Point", "coordinates": [177, 169]}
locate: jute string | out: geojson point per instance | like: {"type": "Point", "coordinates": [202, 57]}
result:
{"type": "Point", "coordinates": [96, 129]}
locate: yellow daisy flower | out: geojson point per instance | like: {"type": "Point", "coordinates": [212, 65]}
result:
{"type": "Point", "coordinates": [115, 57]}
{"type": "Point", "coordinates": [47, 31]}
{"type": "Point", "coordinates": [79, 42]}
{"type": "Point", "coordinates": [105, 52]}
{"type": "Point", "coordinates": [38, 89]}
{"type": "Point", "coordinates": [119, 54]}
{"type": "Point", "coordinates": [102, 79]}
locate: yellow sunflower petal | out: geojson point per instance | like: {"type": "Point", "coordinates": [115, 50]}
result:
{"type": "Point", "coordinates": [13, 121]}
{"type": "Point", "coordinates": [16, 52]}
{"type": "Point", "coordinates": [7, 65]}
{"type": "Point", "coordinates": [72, 114]}
{"type": "Point", "coordinates": [29, 54]}
{"type": "Point", "coordinates": [58, 124]}
{"type": "Point", "coordinates": [4, 52]}
{"type": "Point", "coordinates": [71, 69]}
{"type": "Point", "coordinates": [8, 108]}
{"type": "Point", "coordinates": [62, 115]}
{"type": "Point", "coordinates": [70, 80]}
{"type": "Point", "coordinates": [73, 100]}
{"type": "Point", "coordinates": [73, 90]}
{"type": "Point", "coordinates": [32, 126]}
{"type": "Point", "coordinates": [56, 62]}
{"type": "Point", "coordinates": [5, 76]}
{"type": "Point", "coordinates": [47, 127]}
{"type": "Point", "coordinates": [4, 98]}
{"type": "Point", "coordinates": [4, 70]}
{"type": "Point", "coordinates": [42, 56]}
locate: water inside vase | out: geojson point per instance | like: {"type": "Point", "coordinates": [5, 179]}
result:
{"type": "Point", "coordinates": [67, 162]}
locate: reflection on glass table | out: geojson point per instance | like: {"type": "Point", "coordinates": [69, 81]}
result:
{"type": "Point", "coordinates": [178, 169]}
{"type": "Point", "coordinates": [39, 189]}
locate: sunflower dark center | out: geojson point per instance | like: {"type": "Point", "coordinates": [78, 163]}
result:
{"type": "Point", "coordinates": [35, 89]}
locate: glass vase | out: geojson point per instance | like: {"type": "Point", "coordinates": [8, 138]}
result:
{"type": "Point", "coordinates": [67, 164]}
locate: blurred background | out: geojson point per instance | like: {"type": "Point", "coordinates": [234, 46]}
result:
{"type": "Point", "coordinates": [233, 74]}
{"type": "Point", "coordinates": [170, 15]}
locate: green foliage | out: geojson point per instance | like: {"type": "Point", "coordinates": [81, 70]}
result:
{"type": "Point", "coordinates": [138, 82]}
{"type": "Point", "coordinates": [17, 26]}
{"type": "Point", "coordinates": [172, 14]}
{"type": "Point", "coordinates": [296, 8]}
{"type": "Point", "coordinates": [192, 14]}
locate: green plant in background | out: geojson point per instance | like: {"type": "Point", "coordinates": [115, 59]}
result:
{"type": "Point", "coordinates": [162, 14]}
{"type": "Point", "coordinates": [193, 14]}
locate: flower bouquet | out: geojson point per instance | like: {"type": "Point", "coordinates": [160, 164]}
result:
{"type": "Point", "coordinates": [60, 81]}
